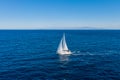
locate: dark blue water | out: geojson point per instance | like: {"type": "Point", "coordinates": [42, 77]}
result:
{"type": "Point", "coordinates": [31, 55]}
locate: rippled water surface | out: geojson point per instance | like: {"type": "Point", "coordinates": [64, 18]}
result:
{"type": "Point", "coordinates": [31, 55]}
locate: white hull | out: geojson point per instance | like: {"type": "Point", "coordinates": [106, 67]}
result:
{"type": "Point", "coordinates": [64, 52]}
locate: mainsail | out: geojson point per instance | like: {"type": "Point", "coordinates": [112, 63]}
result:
{"type": "Point", "coordinates": [64, 43]}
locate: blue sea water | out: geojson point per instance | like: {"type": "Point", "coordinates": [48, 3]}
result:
{"type": "Point", "coordinates": [31, 55]}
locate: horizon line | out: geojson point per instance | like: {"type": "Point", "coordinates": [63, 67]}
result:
{"type": "Point", "coordinates": [60, 29]}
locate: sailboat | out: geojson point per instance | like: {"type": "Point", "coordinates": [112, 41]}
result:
{"type": "Point", "coordinates": [62, 48]}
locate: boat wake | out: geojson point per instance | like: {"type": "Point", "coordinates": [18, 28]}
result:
{"type": "Point", "coordinates": [82, 53]}
{"type": "Point", "coordinates": [75, 53]}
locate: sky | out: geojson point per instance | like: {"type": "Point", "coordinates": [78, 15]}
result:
{"type": "Point", "coordinates": [59, 14]}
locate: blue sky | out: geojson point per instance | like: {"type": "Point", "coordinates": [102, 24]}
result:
{"type": "Point", "coordinates": [59, 14]}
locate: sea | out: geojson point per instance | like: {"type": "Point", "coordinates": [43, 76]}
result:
{"type": "Point", "coordinates": [31, 55]}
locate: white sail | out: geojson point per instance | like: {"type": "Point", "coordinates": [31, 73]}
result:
{"type": "Point", "coordinates": [64, 43]}
{"type": "Point", "coordinates": [62, 48]}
